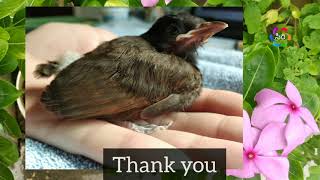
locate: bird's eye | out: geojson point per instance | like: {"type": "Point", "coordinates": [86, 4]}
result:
{"type": "Point", "coordinates": [173, 29]}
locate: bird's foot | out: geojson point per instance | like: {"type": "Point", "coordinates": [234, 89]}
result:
{"type": "Point", "coordinates": [145, 127]}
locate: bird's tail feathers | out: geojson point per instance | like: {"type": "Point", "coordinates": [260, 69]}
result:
{"type": "Point", "coordinates": [46, 70]}
{"type": "Point", "coordinates": [54, 67]}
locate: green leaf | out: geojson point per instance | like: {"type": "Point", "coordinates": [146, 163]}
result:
{"type": "Point", "coordinates": [91, 3]}
{"type": "Point", "coordinates": [313, 143]}
{"type": "Point", "coordinates": [295, 171]}
{"type": "Point", "coordinates": [231, 178]}
{"type": "Point", "coordinates": [307, 151]}
{"type": "Point", "coordinates": [271, 16]}
{"type": "Point", "coordinates": [297, 155]}
{"type": "Point", "coordinates": [135, 3]}
{"type": "Point", "coordinates": [311, 101]}
{"type": "Point", "coordinates": [8, 64]}
{"type": "Point", "coordinates": [9, 7]}
{"type": "Point", "coordinates": [10, 124]}
{"type": "Point", "coordinates": [295, 12]}
{"type": "Point", "coordinates": [307, 83]}
{"type": "Point", "coordinates": [294, 62]}
{"type": "Point", "coordinates": [313, 177]}
{"type": "Point", "coordinates": [5, 173]}
{"type": "Point", "coordinates": [49, 3]}
{"type": "Point", "coordinates": [312, 8]}
{"type": "Point", "coordinates": [263, 5]}
{"type": "Point", "coordinates": [3, 48]}
{"type": "Point", "coordinates": [314, 68]}
{"type": "Point", "coordinates": [252, 16]}
{"type": "Point", "coordinates": [19, 17]}
{"type": "Point", "coordinates": [232, 3]}
{"type": "Point", "coordinates": [257, 177]}
{"type": "Point", "coordinates": [313, 21]}
{"type": "Point", "coordinates": [17, 41]}
{"type": "Point", "coordinates": [8, 93]}
{"type": "Point", "coordinates": [247, 107]}
{"type": "Point", "coordinates": [276, 53]}
{"type": "Point", "coordinates": [4, 35]}
{"type": "Point", "coordinates": [200, 2]}
{"type": "Point", "coordinates": [9, 153]}
{"type": "Point", "coordinates": [284, 15]}
{"type": "Point", "coordinates": [251, 48]}
{"type": "Point", "coordinates": [34, 3]}
{"type": "Point", "coordinates": [182, 3]}
{"type": "Point", "coordinates": [117, 3]}
{"type": "Point", "coordinates": [278, 86]}
{"type": "Point", "coordinates": [161, 3]}
{"type": "Point", "coordinates": [214, 2]}
{"type": "Point", "coordinates": [314, 173]}
{"type": "Point", "coordinates": [312, 41]}
{"type": "Point", "coordinates": [246, 38]}
{"type": "Point", "coordinates": [285, 3]}
{"type": "Point", "coordinates": [314, 170]}
{"type": "Point", "coordinates": [5, 22]}
{"type": "Point", "coordinates": [22, 68]}
{"type": "Point", "coordinates": [260, 68]}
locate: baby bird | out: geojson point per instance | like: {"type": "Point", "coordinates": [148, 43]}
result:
{"type": "Point", "coordinates": [132, 78]}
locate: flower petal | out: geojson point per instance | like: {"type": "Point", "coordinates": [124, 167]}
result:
{"type": "Point", "coordinates": [247, 135]}
{"type": "Point", "coordinates": [255, 133]}
{"type": "Point", "coordinates": [268, 97]}
{"type": "Point", "coordinates": [271, 138]}
{"type": "Point", "coordinates": [149, 3]}
{"type": "Point", "coordinates": [308, 130]}
{"type": "Point", "coordinates": [295, 134]}
{"type": "Point", "coordinates": [308, 119]}
{"type": "Point", "coordinates": [248, 170]}
{"type": "Point", "coordinates": [273, 168]}
{"type": "Point", "coordinates": [263, 116]}
{"type": "Point", "coordinates": [293, 94]}
{"type": "Point", "coordinates": [167, 1]}
{"type": "Point", "coordinates": [271, 153]}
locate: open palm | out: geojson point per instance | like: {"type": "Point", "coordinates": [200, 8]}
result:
{"type": "Point", "coordinates": [213, 121]}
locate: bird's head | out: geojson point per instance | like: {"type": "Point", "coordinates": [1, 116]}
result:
{"type": "Point", "coordinates": [181, 34]}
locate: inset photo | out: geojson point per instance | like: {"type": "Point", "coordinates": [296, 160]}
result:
{"type": "Point", "coordinates": [131, 78]}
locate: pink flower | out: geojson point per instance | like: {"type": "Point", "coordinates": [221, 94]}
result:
{"type": "Point", "coordinates": [274, 107]}
{"type": "Point", "coordinates": [151, 3]}
{"type": "Point", "coordinates": [259, 155]}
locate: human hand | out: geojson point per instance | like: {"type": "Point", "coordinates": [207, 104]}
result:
{"type": "Point", "coordinates": [213, 121]}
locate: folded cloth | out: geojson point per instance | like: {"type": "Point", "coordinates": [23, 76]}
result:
{"type": "Point", "coordinates": [43, 156]}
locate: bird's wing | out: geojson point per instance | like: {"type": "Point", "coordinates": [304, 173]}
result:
{"type": "Point", "coordinates": [89, 93]}
{"type": "Point", "coordinates": [89, 88]}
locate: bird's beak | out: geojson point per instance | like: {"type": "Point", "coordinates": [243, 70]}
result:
{"type": "Point", "coordinates": [200, 34]}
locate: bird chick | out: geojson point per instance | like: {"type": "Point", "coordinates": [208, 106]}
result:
{"type": "Point", "coordinates": [132, 78]}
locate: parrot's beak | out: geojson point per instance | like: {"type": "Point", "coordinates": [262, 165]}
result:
{"type": "Point", "coordinates": [199, 35]}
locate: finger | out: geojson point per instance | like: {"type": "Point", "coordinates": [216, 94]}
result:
{"type": "Point", "coordinates": [84, 137]}
{"type": "Point", "coordinates": [104, 35]}
{"type": "Point", "coordinates": [81, 39]}
{"type": "Point", "coordinates": [179, 139]}
{"type": "Point", "coordinates": [205, 124]}
{"type": "Point", "coordinates": [89, 137]}
{"type": "Point", "coordinates": [218, 101]}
